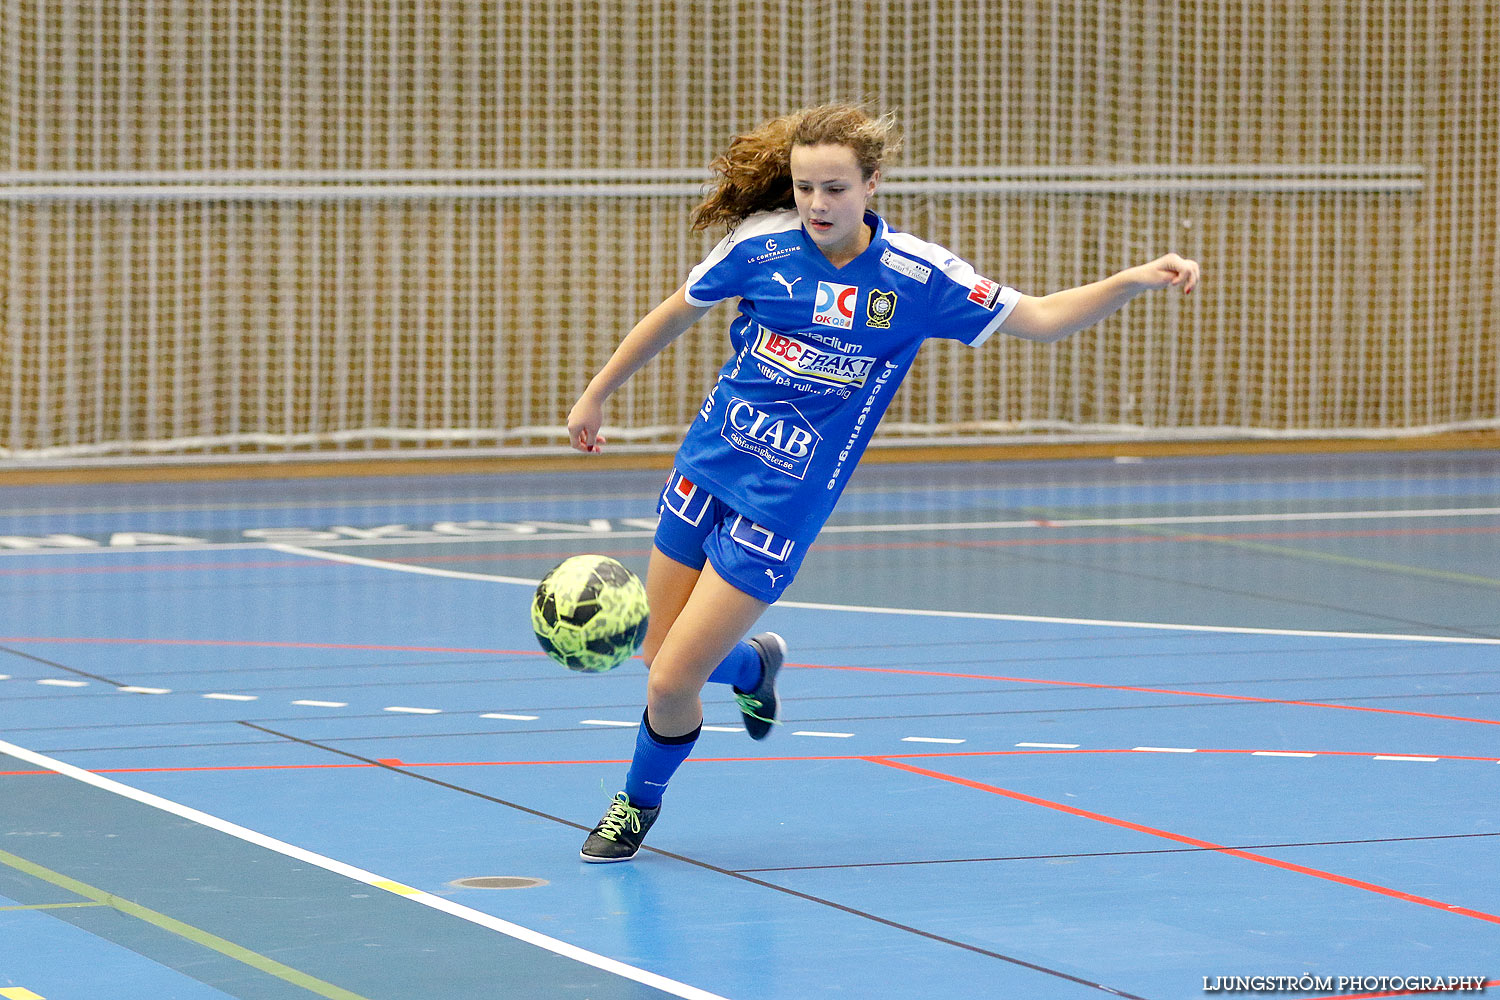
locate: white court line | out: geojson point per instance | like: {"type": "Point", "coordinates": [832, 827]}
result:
{"type": "Point", "coordinates": [452, 574]}
{"type": "Point", "coordinates": [1279, 753]}
{"type": "Point", "coordinates": [137, 689]}
{"type": "Point", "coordinates": [232, 697]}
{"type": "Point", "coordinates": [926, 613]}
{"type": "Point", "coordinates": [578, 532]}
{"type": "Point", "coordinates": [512, 718]}
{"type": "Point", "coordinates": [69, 550]}
{"type": "Point", "coordinates": [1050, 746]}
{"type": "Point", "coordinates": [1126, 522]}
{"type": "Point", "coordinates": [321, 704]}
{"type": "Point", "coordinates": [485, 920]}
{"type": "Point", "coordinates": [1167, 626]}
{"type": "Point", "coordinates": [1424, 760]}
{"type": "Point", "coordinates": [491, 501]}
{"type": "Point", "coordinates": [59, 682]}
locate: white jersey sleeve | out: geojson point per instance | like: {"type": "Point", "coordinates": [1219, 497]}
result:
{"type": "Point", "coordinates": [964, 305]}
{"type": "Point", "coordinates": [722, 274]}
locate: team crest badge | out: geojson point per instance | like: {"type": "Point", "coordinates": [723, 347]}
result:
{"type": "Point", "coordinates": [879, 309]}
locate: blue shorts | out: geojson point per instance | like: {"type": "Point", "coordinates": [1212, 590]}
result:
{"type": "Point", "coordinates": [696, 526]}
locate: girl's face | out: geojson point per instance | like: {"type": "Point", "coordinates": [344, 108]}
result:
{"type": "Point", "coordinates": [831, 194]}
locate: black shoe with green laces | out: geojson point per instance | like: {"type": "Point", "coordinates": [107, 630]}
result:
{"type": "Point", "coordinates": [759, 707]}
{"type": "Point", "coordinates": [619, 834]}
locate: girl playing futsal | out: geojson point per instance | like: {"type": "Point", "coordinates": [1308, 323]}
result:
{"type": "Point", "coordinates": [834, 305]}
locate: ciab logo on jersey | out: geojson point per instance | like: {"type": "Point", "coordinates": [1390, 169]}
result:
{"type": "Point", "coordinates": [835, 305]}
{"type": "Point", "coordinates": [775, 432]}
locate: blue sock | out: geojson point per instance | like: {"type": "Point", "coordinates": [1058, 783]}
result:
{"type": "Point", "coordinates": [740, 668]}
{"type": "Point", "coordinates": [657, 758]}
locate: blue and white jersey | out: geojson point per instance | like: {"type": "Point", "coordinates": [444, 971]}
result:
{"type": "Point", "coordinates": [819, 352]}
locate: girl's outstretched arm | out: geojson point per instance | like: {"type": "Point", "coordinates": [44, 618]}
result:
{"type": "Point", "coordinates": [646, 340]}
{"type": "Point", "coordinates": [1053, 317]}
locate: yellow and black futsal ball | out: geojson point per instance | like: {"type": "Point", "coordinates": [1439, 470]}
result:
{"type": "Point", "coordinates": [589, 613]}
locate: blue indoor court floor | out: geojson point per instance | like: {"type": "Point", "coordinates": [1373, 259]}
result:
{"type": "Point", "coordinates": [1050, 729]}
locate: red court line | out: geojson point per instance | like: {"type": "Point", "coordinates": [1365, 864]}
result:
{"type": "Point", "coordinates": [482, 557]}
{"type": "Point", "coordinates": [1181, 537]}
{"type": "Point", "coordinates": [1146, 690]}
{"type": "Point", "coordinates": [1192, 841]}
{"type": "Point", "coordinates": [806, 666]}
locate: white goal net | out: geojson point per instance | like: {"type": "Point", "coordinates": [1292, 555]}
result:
{"type": "Point", "coordinates": [371, 227]}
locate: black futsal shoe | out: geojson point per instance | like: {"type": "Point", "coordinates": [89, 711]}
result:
{"type": "Point", "coordinates": [759, 707]}
{"type": "Point", "coordinates": [619, 834]}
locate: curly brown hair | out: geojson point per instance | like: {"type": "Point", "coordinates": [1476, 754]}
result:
{"type": "Point", "coordinates": [755, 172]}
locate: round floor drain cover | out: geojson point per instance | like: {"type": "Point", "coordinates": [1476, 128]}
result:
{"type": "Point", "coordinates": [499, 882]}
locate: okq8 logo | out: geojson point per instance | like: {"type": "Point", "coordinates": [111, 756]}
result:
{"type": "Point", "coordinates": [835, 305]}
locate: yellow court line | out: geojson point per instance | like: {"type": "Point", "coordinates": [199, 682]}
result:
{"type": "Point", "coordinates": [46, 906]}
{"type": "Point", "coordinates": [19, 993]}
{"type": "Point", "coordinates": [396, 887]}
{"type": "Point", "coordinates": [186, 931]}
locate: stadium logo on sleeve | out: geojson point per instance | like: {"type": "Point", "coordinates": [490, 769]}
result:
{"type": "Point", "coordinates": [985, 292]}
{"type": "Point", "coordinates": [835, 305]}
{"type": "Point", "coordinates": [775, 432]}
{"type": "Point", "coordinates": [879, 309]}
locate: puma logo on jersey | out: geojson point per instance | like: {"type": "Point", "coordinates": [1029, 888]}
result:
{"type": "Point", "coordinates": [788, 284]}
{"type": "Point", "coordinates": [774, 577]}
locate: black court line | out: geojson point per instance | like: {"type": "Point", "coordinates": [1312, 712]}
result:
{"type": "Point", "coordinates": [62, 666]}
{"type": "Point", "coordinates": [1097, 568]}
{"type": "Point", "coordinates": [1346, 645]}
{"type": "Point", "coordinates": [1205, 701]}
{"type": "Point", "coordinates": [805, 720]}
{"type": "Point", "coordinates": [572, 730]}
{"type": "Point", "coordinates": [1022, 963]}
{"type": "Point", "coordinates": [800, 721]}
{"type": "Point", "coordinates": [313, 668]}
{"type": "Point", "coordinates": [1121, 854]}
{"type": "Point", "coordinates": [253, 899]}
{"type": "Point", "coordinates": [352, 689]}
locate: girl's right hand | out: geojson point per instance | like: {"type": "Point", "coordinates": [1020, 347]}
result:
{"type": "Point", "coordinates": [584, 421]}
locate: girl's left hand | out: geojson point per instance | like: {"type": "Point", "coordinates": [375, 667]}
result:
{"type": "Point", "coordinates": [584, 423]}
